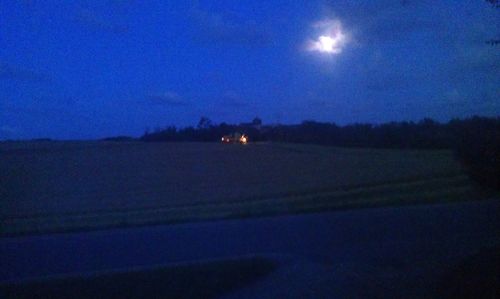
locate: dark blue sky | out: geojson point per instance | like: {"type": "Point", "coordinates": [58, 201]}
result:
{"type": "Point", "coordinates": [89, 69]}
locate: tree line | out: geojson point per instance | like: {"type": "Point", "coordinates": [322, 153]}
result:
{"type": "Point", "coordinates": [425, 134]}
{"type": "Point", "coordinates": [475, 140]}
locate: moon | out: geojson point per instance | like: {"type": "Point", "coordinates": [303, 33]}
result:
{"type": "Point", "coordinates": [333, 39]}
{"type": "Point", "coordinates": [328, 44]}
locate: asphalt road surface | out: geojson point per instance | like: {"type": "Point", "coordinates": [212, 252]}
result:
{"type": "Point", "coordinates": [415, 251]}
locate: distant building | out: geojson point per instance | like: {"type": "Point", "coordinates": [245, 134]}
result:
{"type": "Point", "coordinates": [235, 138]}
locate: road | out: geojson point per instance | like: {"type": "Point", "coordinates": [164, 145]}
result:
{"type": "Point", "coordinates": [396, 251]}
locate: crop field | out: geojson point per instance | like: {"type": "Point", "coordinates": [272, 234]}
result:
{"type": "Point", "coordinates": [63, 186]}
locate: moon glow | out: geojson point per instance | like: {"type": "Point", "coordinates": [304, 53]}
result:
{"type": "Point", "coordinates": [331, 41]}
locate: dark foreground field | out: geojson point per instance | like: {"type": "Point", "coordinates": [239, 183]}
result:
{"type": "Point", "coordinates": [209, 279]}
{"type": "Point", "coordinates": [61, 186]}
{"type": "Point", "coordinates": [423, 251]}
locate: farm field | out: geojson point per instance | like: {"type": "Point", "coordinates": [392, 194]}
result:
{"type": "Point", "coordinates": [64, 186]}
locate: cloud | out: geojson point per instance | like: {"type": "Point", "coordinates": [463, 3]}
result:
{"type": "Point", "coordinates": [96, 21]}
{"type": "Point", "coordinates": [8, 129]}
{"type": "Point", "coordinates": [467, 102]}
{"type": "Point", "coordinates": [453, 97]}
{"type": "Point", "coordinates": [61, 102]}
{"type": "Point", "coordinates": [473, 56]}
{"type": "Point", "coordinates": [8, 132]}
{"type": "Point", "coordinates": [121, 3]}
{"type": "Point", "coordinates": [384, 82]}
{"type": "Point", "coordinates": [213, 27]}
{"type": "Point", "coordinates": [16, 73]}
{"type": "Point", "coordinates": [169, 98]}
{"type": "Point", "coordinates": [233, 99]}
{"type": "Point", "coordinates": [396, 28]}
{"type": "Point", "coordinates": [385, 21]}
{"type": "Point", "coordinates": [483, 61]}
{"type": "Point", "coordinates": [41, 105]}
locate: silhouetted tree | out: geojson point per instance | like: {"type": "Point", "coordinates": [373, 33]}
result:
{"type": "Point", "coordinates": [478, 149]}
{"type": "Point", "coordinates": [257, 121]}
{"type": "Point", "coordinates": [204, 123]}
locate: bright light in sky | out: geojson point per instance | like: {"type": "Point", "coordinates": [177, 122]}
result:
{"type": "Point", "coordinates": [332, 40]}
{"type": "Point", "coordinates": [328, 44]}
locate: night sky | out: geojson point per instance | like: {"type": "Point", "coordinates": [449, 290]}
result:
{"type": "Point", "coordinates": [91, 69]}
